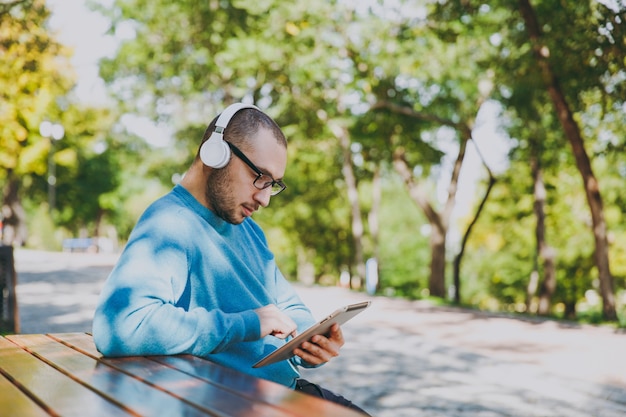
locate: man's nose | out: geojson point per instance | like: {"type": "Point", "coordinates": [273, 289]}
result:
{"type": "Point", "coordinates": [263, 196]}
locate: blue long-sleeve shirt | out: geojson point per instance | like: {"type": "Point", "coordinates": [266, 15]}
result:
{"type": "Point", "coordinates": [188, 282]}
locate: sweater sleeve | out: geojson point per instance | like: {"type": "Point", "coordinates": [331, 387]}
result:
{"type": "Point", "coordinates": [138, 313]}
{"type": "Point", "coordinates": [291, 304]}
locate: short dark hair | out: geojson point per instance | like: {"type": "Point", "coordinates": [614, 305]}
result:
{"type": "Point", "coordinates": [245, 123]}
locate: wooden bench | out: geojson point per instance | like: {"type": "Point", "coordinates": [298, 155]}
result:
{"type": "Point", "coordinates": [64, 375]}
{"type": "Point", "coordinates": [9, 317]}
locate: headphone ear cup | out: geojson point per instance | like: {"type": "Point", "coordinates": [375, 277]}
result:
{"type": "Point", "coordinates": [214, 152]}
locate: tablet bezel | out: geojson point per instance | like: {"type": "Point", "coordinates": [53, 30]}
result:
{"type": "Point", "coordinates": [339, 316]}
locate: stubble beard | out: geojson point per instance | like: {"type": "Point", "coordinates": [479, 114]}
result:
{"type": "Point", "coordinates": [220, 197]}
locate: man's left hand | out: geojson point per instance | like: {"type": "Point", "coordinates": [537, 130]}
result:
{"type": "Point", "coordinates": [320, 349]}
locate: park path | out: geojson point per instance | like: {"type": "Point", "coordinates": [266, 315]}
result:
{"type": "Point", "coordinates": [401, 358]}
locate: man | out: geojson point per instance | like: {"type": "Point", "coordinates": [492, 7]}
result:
{"type": "Point", "coordinates": [197, 276]}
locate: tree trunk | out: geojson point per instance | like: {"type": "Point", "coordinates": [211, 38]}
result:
{"type": "Point", "coordinates": [372, 218]}
{"type": "Point", "coordinates": [13, 215]}
{"type": "Point", "coordinates": [439, 222]}
{"type": "Point", "coordinates": [531, 288]}
{"type": "Point", "coordinates": [305, 273]}
{"type": "Point", "coordinates": [573, 134]}
{"type": "Point", "coordinates": [436, 280]}
{"type": "Point", "coordinates": [459, 256]}
{"type": "Point", "coordinates": [353, 198]}
{"type": "Point", "coordinates": [544, 252]}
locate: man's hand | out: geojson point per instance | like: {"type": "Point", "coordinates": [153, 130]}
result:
{"type": "Point", "coordinates": [274, 322]}
{"type": "Point", "coordinates": [321, 349]}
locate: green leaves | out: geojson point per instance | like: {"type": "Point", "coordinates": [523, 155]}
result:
{"type": "Point", "coordinates": [407, 76]}
{"type": "Point", "coordinates": [33, 72]}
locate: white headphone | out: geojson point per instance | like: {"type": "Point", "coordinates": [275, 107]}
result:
{"type": "Point", "coordinates": [214, 152]}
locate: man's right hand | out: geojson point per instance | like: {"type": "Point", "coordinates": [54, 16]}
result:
{"type": "Point", "coordinates": [275, 322]}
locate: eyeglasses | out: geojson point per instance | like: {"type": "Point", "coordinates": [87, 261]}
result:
{"type": "Point", "coordinates": [262, 180]}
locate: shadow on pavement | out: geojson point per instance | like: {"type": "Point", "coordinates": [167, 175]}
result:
{"type": "Point", "coordinates": [394, 374]}
{"type": "Point", "coordinates": [402, 358]}
{"type": "Point", "coordinates": [59, 301]}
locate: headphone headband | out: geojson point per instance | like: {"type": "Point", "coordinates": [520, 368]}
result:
{"type": "Point", "coordinates": [228, 114]}
{"type": "Point", "coordinates": [214, 152]}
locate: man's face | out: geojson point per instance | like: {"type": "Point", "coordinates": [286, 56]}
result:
{"type": "Point", "coordinates": [230, 192]}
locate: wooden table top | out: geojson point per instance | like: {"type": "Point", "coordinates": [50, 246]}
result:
{"type": "Point", "coordinates": [64, 375]}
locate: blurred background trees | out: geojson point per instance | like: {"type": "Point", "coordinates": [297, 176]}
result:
{"type": "Point", "coordinates": [384, 105]}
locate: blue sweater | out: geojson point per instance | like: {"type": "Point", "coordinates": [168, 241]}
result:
{"type": "Point", "coordinates": [188, 282]}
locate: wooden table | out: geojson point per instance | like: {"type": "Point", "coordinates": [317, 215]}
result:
{"type": "Point", "coordinates": [64, 375]}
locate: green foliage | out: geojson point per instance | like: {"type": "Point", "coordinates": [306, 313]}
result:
{"type": "Point", "coordinates": [510, 235]}
{"type": "Point", "coordinates": [44, 234]}
{"type": "Point", "coordinates": [500, 256]}
{"type": "Point", "coordinates": [321, 68]}
{"type": "Point", "coordinates": [404, 254]}
{"type": "Point", "coordinates": [311, 210]}
{"type": "Point", "coordinates": [34, 71]}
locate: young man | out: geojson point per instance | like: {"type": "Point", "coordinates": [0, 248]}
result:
{"type": "Point", "coordinates": [197, 276]}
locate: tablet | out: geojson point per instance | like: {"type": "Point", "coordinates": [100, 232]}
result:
{"type": "Point", "coordinates": [339, 316]}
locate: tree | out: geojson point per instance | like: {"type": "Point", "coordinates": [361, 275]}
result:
{"type": "Point", "coordinates": [556, 61]}
{"type": "Point", "coordinates": [361, 89]}
{"type": "Point", "coordinates": [318, 85]}
{"type": "Point", "coordinates": [34, 72]}
{"type": "Point", "coordinates": [458, 258]}
{"type": "Point", "coordinates": [539, 145]}
{"type": "Point", "coordinates": [261, 52]}
{"type": "Point", "coordinates": [572, 131]}
{"type": "Point", "coordinates": [444, 101]}
{"type": "Point", "coordinates": [88, 170]}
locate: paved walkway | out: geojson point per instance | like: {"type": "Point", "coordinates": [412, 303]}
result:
{"type": "Point", "coordinates": [402, 358]}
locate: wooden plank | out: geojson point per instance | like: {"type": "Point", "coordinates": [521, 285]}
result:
{"type": "Point", "coordinates": [13, 400]}
{"type": "Point", "coordinates": [241, 384]}
{"type": "Point", "coordinates": [195, 390]}
{"type": "Point", "coordinates": [184, 390]}
{"type": "Point", "coordinates": [259, 389]}
{"type": "Point", "coordinates": [45, 385]}
{"type": "Point", "coordinates": [131, 393]}
{"type": "Point", "coordinates": [82, 342]}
